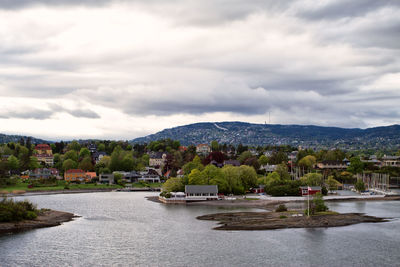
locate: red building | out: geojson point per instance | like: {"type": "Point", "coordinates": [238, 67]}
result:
{"type": "Point", "coordinates": [309, 190]}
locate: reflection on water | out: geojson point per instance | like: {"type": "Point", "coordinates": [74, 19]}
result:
{"type": "Point", "coordinates": [119, 228]}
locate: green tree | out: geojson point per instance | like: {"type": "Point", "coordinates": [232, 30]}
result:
{"type": "Point", "coordinates": [356, 165]}
{"type": "Point", "coordinates": [86, 164]}
{"type": "Point", "coordinates": [74, 145]}
{"type": "Point", "coordinates": [312, 179]}
{"type": "Point", "coordinates": [332, 183]}
{"type": "Point", "coordinates": [214, 146]}
{"type": "Point", "coordinates": [319, 203]}
{"type": "Point", "coordinates": [194, 164]}
{"type": "Point", "coordinates": [211, 172]}
{"type": "Point", "coordinates": [245, 155]}
{"type": "Point", "coordinates": [232, 176]}
{"type": "Point", "coordinates": [263, 160]}
{"type": "Point", "coordinates": [360, 186]}
{"type": "Point", "coordinates": [283, 172]}
{"type": "Point", "coordinates": [69, 164]}
{"type": "Point", "coordinates": [174, 185]}
{"type": "Point", "coordinates": [307, 162]}
{"type": "Point", "coordinates": [72, 154]}
{"type": "Point", "coordinates": [101, 147]}
{"type": "Point", "coordinates": [33, 163]}
{"type": "Point", "coordinates": [197, 178]}
{"type": "Point", "coordinates": [13, 163]}
{"type": "Point", "coordinates": [248, 176]}
{"type": "Point", "coordinates": [84, 153]}
{"type": "Point", "coordinates": [127, 163]}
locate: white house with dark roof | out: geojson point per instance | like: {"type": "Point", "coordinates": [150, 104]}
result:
{"type": "Point", "coordinates": [201, 192]}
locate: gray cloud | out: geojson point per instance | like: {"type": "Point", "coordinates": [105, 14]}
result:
{"type": "Point", "coordinates": [42, 114]}
{"type": "Point", "coordinates": [305, 62]}
{"type": "Point", "coordinates": [79, 113]}
{"type": "Point", "coordinates": [336, 9]}
{"type": "Point", "coordinates": [37, 114]}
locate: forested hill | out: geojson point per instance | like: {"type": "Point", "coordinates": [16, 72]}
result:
{"type": "Point", "coordinates": [5, 138]}
{"type": "Point", "coordinates": [269, 134]}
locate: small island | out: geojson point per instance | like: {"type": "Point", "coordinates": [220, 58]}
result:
{"type": "Point", "coordinates": [281, 220]}
{"type": "Point", "coordinates": [16, 216]}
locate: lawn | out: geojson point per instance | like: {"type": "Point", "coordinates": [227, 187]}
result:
{"type": "Point", "coordinates": [23, 186]}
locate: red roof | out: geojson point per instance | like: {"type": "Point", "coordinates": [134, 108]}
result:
{"type": "Point", "coordinates": [75, 171]}
{"type": "Point", "coordinates": [43, 146]}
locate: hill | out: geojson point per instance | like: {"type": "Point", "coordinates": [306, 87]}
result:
{"type": "Point", "coordinates": [5, 138]}
{"type": "Point", "coordinates": [275, 134]}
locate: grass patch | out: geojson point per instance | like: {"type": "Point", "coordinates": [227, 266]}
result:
{"type": "Point", "coordinates": [251, 198]}
{"type": "Point", "coordinates": [282, 217]}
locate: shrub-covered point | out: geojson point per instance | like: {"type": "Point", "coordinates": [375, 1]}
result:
{"type": "Point", "coordinates": [284, 188]}
{"type": "Point", "coordinates": [13, 211]}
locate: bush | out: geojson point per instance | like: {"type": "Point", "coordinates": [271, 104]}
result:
{"type": "Point", "coordinates": [12, 211]}
{"type": "Point", "coordinates": [284, 188]}
{"type": "Point", "coordinates": [360, 186]}
{"type": "Point", "coordinates": [324, 191]}
{"type": "Point", "coordinates": [281, 208]}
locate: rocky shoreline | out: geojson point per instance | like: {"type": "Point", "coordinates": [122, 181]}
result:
{"type": "Point", "coordinates": [47, 218]}
{"type": "Point", "coordinates": [282, 220]}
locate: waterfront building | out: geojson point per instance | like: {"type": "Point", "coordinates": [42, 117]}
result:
{"type": "Point", "coordinates": [201, 192]}
{"type": "Point", "coordinates": [313, 190]}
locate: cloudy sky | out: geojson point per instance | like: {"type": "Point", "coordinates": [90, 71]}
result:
{"type": "Point", "coordinates": [125, 69]}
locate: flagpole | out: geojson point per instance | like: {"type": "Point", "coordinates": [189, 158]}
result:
{"type": "Point", "coordinates": [308, 198]}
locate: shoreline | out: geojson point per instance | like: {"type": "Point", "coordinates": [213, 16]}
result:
{"type": "Point", "coordinates": [48, 218]}
{"type": "Point", "coordinates": [270, 203]}
{"type": "Point", "coordinates": [251, 221]}
{"type": "Point", "coordinates": [63, 191]}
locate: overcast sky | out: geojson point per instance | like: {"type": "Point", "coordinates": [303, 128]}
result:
{"type": "Point", "coordinates": [125, 69]}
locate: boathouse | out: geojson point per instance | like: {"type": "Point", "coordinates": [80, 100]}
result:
{"type": "Point", "coordinates": [201, 192]}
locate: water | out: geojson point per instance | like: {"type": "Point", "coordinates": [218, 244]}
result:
{"type": "Point", "coordinates": [123, 229]}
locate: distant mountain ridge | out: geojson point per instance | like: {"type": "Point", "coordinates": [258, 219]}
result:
{"type": "Point", "coordinates": [5, 138]}
{"type": "Point", "coordinates": [276, 134]}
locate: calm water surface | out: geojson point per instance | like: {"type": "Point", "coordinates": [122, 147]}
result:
{"type": "Point", "coordinates": [123, 229]}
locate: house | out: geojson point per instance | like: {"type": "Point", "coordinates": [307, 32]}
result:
{"type": "Point", "coordinates": [201, 192]}
{"type": "Point", "coordinates": [40, 173]}
{"type": "Point", "coordinates": [216, 164]}
{"type": "Point", "coordinates": [269, 168]}
{"type": "Point", "coordinates": [92, 148]}
{"type": "Point", "coordinates": [74, 175]}
{"type": "Point", "coordinates": [106, 178]}
{"type": "Point", "coordinates": [235, 163]}
{"type": "Point", "coordinates": [182, 149]}
{"type": "Point", "coordinates": [393, 161]}
{"type": "Point", "coordinates": [313, 190]}
{"type": "Point", "coordinates": [44, 154]}
{"type": "Point", "coordinates": [332, 165]}
{"type": "Point", "coordinates": [45, 158]}
{"type": "Point", "coordinates": [258, 190]}
{"type": "Point", "coordinates": [43, 149]}
{"type": "Point", "coordinates": [180, 173]}
{"type": "Point", "coordinates": [157, 160]}
{"type": "Point", "coordinates": [54, 171]}
{"type": "Point", "coordinates": [97, 156]}
{"type": "Point", "coordinates": [91, 175]}
{"type": "Point", "coordinates": [203, 149]}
